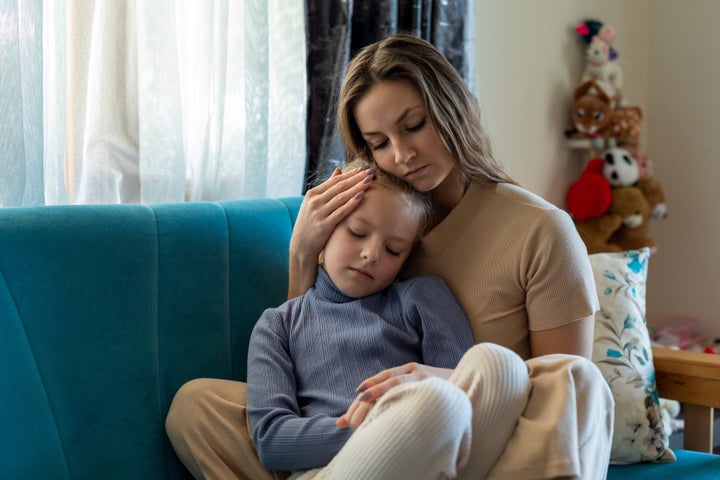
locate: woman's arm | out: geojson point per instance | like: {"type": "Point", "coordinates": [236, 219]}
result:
{"type": "Point", "coordinates": [574, 338]}
{"type": "Point", "coordinates": [561, 288]}
{"type": "Point", "coordinates": [322, 209]}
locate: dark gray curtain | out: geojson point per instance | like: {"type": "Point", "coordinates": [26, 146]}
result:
{"type": "Point", "coordinates": [336, 29]}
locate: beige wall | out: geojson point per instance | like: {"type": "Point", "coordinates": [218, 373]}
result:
{"type": "Point", "coordinates": [529, 60]}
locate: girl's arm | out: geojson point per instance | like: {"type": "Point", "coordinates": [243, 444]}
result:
{"type": "Point", "coordinates": [323, 208]}
{"type": "Point", "coordinates": [376, 386]}
{"type": "Point", "coordinates": [446, 336]}
{"type": "Point", "coordinates": [283, 438]}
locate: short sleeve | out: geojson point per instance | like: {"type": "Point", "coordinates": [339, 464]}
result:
{"type": "Point", "coordinates": [559, 280]}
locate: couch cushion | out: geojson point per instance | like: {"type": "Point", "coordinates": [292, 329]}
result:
{"type": "Point", "coordinates": [26, 416]}
{"type": "Point", "coordinates": [261, 283]}
{"type": "Point", "coordinates": [84, 282]}
{"type": "Point", "coordinates": [193, 294]}
{"type": "Point", "coordinates": [690, 465]}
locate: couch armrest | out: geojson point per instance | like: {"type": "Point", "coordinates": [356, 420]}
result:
{"type": "Point", "coordinates": [693, 379]}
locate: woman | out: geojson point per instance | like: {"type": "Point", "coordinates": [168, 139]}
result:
{"type": "Point", "coordinates": [514, 262]}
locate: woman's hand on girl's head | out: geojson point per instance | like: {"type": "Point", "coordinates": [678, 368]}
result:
{"type": "Point", "coordinates": [323, 207]}
{"type": "Point", "coordinates": [371, 389]}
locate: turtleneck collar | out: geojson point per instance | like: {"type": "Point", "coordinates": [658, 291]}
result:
{"type": "Point", "coordinates": [327, 290]}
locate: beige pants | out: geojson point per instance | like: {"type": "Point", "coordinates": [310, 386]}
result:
{"type": "Point", "coordinates": [210, 432]}
{"type": "Point", "coordinates": [497, 418]}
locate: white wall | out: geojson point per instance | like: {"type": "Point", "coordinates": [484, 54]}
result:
{"type": "Point", "coordinates": [529, 59]}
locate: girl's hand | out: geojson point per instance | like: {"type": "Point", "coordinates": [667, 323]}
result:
{"type": "Point", "coordinates": [376, 386]}
{"type": "Point", "coordinates": [323, 207]}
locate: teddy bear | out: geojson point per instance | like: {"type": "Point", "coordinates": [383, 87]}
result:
{"type": "Point", "coordinates": [654, 195]}
{"type": "Point", "coordinates": [628, 210]}
{"type": "Point", "coordinates": [633, 233]}
{"type": "Point", "coordinates": [622, 169]}
{"type": "Point", "coordinates": [596, 232]}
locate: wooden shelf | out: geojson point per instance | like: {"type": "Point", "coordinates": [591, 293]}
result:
{"type": "Point", "coordinates": [693, 379]}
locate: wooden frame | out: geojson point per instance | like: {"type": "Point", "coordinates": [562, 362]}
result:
{"type": "Point", "coordinates": [693, 379]}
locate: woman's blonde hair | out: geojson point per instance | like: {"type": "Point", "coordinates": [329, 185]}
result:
{"type": "Point", "coordinates": [453, 109]}
{"type": "Point", "coordinates": [420, 201]}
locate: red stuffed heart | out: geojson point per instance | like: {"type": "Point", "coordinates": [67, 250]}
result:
{"type": "Point", "coordinates": [590, 196]}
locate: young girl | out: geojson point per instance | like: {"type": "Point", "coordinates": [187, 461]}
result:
{"type": "Point", "coordinates": [308, 356]}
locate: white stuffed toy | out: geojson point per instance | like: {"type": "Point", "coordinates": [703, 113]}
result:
{"type": "Point", "coordinates": [605, 72]}
{"type": "Point", "coordinates": [621, 167]}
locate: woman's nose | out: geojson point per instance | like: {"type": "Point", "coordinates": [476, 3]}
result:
{"type": "Point", "coordinates": [403, 153]}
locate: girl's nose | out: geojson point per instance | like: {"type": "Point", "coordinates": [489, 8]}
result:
{"type": "Point", "coordinates": [370, 252]}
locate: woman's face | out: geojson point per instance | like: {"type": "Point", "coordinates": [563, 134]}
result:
{"type": "Point", "coordinates": [402, 138]}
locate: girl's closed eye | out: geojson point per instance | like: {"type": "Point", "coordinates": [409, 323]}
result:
{"type": "Point", "coordinates": [356, 233]}
{"type": "Point", "coordinates": [392, 252]}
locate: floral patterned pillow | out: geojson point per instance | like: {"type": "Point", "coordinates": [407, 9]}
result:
{"type": "Point", "coordinates": [622, 351]}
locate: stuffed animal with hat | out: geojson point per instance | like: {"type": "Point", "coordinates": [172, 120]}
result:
{"type": "Point", "coordinates": [592, 28]}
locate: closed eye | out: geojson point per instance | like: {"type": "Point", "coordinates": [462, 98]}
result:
{"type": "Point", "coordinates": [378, 146]}
{"type": "Point", "coordinates": [392, 252]}
{"type": "Point", "coordinates": [412, 129]}
{"type": "Point", "coordinates": [417, 127]}
{"type": "Point", "coordinates": [356, 234]}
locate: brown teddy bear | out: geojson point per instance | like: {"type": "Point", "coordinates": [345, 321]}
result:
{"type": "Point", "coordinates": [625, 223]}
{"type": "Point", "coordinates": [632, 235]}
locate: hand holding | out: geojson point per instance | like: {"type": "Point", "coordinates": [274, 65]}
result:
{"type": "Point", "coordinates": [371, 389]}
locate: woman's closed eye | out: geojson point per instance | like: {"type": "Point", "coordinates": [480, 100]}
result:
{"type": "Point", "coordinates": [411, 129]}
{"type": "Point", "coordinates": [417, 126]}
{"type": "Point", "coordinates": [379, 145]}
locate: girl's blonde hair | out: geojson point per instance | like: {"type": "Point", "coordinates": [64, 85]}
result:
{"type": "Point", "coordinates": [453, 109]}
{"type": "Point", "coordinates": [420, 201]}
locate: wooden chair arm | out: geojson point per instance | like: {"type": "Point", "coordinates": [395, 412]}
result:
{"type": "Point", "coordinates": [693, 379]}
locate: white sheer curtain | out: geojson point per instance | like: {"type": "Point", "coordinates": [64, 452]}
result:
{"type": "Point", "coordinates": [110, 101]}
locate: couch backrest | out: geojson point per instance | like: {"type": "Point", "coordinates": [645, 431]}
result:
{"type": "Point", "coordinates": [106, 310]}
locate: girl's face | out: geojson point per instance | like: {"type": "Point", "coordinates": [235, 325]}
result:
{"type": "Point", "coordinates": [366, 250]}
{"type": "Point", "coordinates": [402, 138]}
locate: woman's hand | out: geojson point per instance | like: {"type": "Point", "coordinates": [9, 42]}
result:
{"type": "Point", "coordinates": [323, 207]}
{"type": "Point", "coordinates": [376, 386]}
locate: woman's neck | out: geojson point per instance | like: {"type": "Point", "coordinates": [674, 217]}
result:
{"type": "Point", "coordinates": [449, 193]}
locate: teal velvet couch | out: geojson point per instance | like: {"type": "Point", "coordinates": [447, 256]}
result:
{"type": "Point", "coordinates": [106, 310]}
